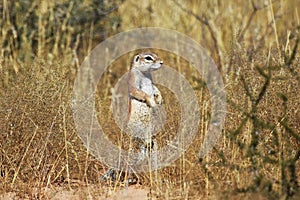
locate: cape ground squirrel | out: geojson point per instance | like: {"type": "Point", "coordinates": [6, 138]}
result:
{"type": "Point", "coordinates": [145, 114]}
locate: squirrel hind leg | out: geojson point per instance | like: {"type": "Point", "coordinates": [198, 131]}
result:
{"type": "Point", "coordinates": [113, 175]}
{"type": "Point", "coordinates": [110, 174]}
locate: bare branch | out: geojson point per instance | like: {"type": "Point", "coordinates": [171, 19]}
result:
{"type": "Point", "coordinates": [204, 21]}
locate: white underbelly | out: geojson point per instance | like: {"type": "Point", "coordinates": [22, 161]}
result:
{"type": "Point", "coordinates": [145, 122]}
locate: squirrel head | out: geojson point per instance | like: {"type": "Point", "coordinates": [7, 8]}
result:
{"type": "Point", "coordinates": [146, 62]}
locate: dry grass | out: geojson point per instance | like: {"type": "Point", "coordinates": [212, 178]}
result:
{"type": "Point", "coordinates": [254, 44]}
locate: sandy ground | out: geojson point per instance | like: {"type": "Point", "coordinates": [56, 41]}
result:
{"type": "Point", "coordinates": [130, 193]}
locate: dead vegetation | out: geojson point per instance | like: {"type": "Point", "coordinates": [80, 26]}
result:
{"type": "Point", "coordinates": [255, 45]}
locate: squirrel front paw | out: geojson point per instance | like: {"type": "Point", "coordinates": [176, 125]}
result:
{"type": "Point", "coordinates": [155, 100]}
{"type": "Point", "coordinates": [158, 98]}
{"type": "Point", "coordinates": [151, 102]}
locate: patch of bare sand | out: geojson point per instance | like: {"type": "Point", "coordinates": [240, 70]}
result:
{"type": "Point", "coordinates": [91, 192]}
{"type": "Point", "coordinates": [131, 193]}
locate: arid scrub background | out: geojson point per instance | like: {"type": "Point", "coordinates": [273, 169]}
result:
{"type": "Point", "coordinates": [255, 45]}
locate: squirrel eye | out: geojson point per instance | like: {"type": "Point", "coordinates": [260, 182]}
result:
{"type": "Point", "coordinates": [137, 58]}
{"type": "Point", "coordinates": [149, 58]}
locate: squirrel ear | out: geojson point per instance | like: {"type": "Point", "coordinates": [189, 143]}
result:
{"type": "Point", "coordinates": [137, 58]}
